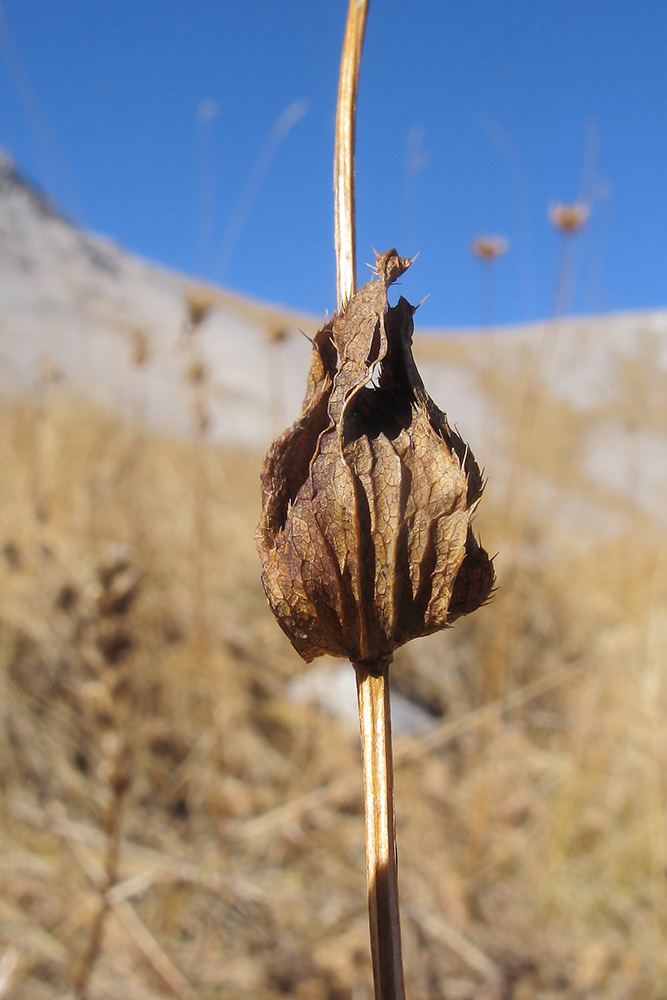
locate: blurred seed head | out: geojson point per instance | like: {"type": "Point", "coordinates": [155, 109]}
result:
{"type": "Point", "coordinates": [195, 372]}
{"type": "Point", "coordinates": [569, 219]}
{"type": "Point", "coordinates": [113, 642]}
{"type": "Point", "coordinates": [489, 248]}
{"type": "Point", "coordinates": [276, 334]}
{"type": "Point", "coordinates": [199, 302]}
{"type": "Point", "coordinates": [117, 584]}
{"type": "Point", "coordinates": [119, 780]}
{"type": "Point", "coordinates": [119, 594]}
{"type": "Point", "coordinates": [96, 702]}
{"type": "Point", "coordinates": [116, 559]}
{"type": "Point", "coordinates": [67, 597]}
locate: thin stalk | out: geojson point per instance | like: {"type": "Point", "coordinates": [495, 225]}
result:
{"type": "Point", "coordinates": [346, 113]}
{"type": "Point", "coordinates": [486, 283]}
{"type": "Point", "coordinates": [372, 679]}
{"type": "Point", "coordinates": [381, 855]}
{"type": "Point", "coordinates": [113, 828]}
{"type": "Point", "coordinates": [516, 497]}
{"type": "Point", "coordinates": [562, 289]}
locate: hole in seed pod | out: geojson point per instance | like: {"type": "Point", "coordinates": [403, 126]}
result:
{"type": "Point", "coordinates": [376, 411]}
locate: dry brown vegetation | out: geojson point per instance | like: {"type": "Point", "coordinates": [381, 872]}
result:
{"type": "Point", "coordinates": [144, 709]}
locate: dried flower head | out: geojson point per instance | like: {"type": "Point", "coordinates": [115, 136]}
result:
{"type": "Point", "coordinates": [489, 248]}
{"type": "Point", "coordinates": [49, 371]}
{"type": "Point", "coordinates": [195, 372]}
{"type": "Point", "coordinates": [199, 303]}
{"type": "Point", "coordinates": [202, 416]}
{"type": "Point", "coordinates": [276, 334]}
{"type": "Point", "coordinates": [365, 534]}
{"type": "Point", "coordinates": [569, 218]}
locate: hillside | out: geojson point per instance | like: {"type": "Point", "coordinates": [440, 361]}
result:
{"type": "Point", "coordinates": [77, 309]}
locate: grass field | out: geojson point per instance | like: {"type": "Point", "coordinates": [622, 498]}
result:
{"type": "Point", "coordinates": [148, 750]}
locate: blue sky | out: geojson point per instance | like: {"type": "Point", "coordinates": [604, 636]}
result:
{"type": "Point", "coordinates": [200, 134]}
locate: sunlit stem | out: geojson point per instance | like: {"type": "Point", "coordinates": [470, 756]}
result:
{"type": "Point", "coordinates": [381, 856]}
{"type": "Point", "coordinates": [344, 217]}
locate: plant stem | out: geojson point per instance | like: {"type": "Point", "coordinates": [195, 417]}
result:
{"type": "Point", "coordinates": [372, 679]}
{"type": "Point", "coordinates": [113, 830]}
{"type": "Point", "coordinates": [381, 858]}
{"type": "Point", "coordinates": [346, 112]}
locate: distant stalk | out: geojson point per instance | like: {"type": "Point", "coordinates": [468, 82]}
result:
{"type": "Point", "coordinates": [486, 283]}
{"type": "Point", "coordinates": [568, 220]}
{"type": "Point", "coordinates": [275, 339]}
{"type": "Point", "coordinates": [113, 818]}
{"type": "Point", "coordinates": [206, 112]}
{"type": "Point", "coordinates": [282, 127]}
{"type": "Point", "coordinates": [563, 284]}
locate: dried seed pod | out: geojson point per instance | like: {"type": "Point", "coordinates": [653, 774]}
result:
{"type": "Point", "coordinates": [365, 535]}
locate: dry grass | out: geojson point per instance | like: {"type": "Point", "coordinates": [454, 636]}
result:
{"type": "Point", "coordinates": [532, 837]}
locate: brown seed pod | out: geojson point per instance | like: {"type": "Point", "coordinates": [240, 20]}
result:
{"type": "Point", "coordinates": [365, 534]}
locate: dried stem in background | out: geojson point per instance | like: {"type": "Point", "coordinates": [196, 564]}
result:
{"type": "Point", "coordinates": [116, 902]}
{"type": "Point", "coordinates": [119, 782]}
{"type": "Point", "coordinates": [199, 304]}
{"type": "Point", "coordinates": [346, 113]}
{"type": "Point", "coordinates": [568, 221]}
